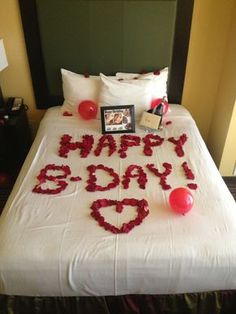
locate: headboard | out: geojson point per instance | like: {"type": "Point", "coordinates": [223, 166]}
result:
{"type": "Point", "coordinates": [93, 36]}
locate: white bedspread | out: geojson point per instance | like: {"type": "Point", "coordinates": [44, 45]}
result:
{"type": "Point", "coordinates": [51, 246]}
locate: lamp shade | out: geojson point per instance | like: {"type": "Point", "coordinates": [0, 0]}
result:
{"type": "Point", "coordinates": [3, 57]}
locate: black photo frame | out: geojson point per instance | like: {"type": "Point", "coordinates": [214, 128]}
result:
{"type": "Point", "coordinates": [118, 119]}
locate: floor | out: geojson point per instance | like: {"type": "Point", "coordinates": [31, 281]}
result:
{"type": "Point", "coordinates": [230, 182]}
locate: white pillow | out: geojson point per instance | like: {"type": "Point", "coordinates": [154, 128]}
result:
{"type": "Point", "coordinates": [131, 92]}
{"type": "Point", "coordinates": [77, 87]}
{"type": "Point", "coordinates": [159, 81]}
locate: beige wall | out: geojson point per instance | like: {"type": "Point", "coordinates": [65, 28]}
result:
{"type": "Point", "coordinates": [222, 135]}
{"type": "Point", "coordinates": [228, 160]}
{"type": "Point", "coordinates": [15, 80]}
{"type": "Point", "coordinates": [204, 89]}
{"type": "Point", "coordinates": [209, 90]}
{"type": "Point", "coordinates": [206, 59]}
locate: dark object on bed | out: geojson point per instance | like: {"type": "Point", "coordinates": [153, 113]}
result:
{"type": "Point", "coordinates": [118, 119]}
{"type": "Point", "coordinates": [142, 35]}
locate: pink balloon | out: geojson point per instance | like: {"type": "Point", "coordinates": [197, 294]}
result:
{"type": "Point", "coordinates": [87, 109]}
{"type": "Point", "coordinates": [181, 200]}
{"type": "Point", "coordinates": [157, 101]}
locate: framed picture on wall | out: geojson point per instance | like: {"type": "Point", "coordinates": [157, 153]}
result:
{"type": "Point", "coordinates": [118, 119]}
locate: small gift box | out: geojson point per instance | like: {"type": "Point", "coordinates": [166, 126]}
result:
{"type": "Point", "coordinates": [152, 118]}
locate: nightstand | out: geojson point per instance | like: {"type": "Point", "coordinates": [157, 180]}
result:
{"type": "Point", "coordinates": [231, 184]}
{"type": "Point", "coordinates": [15, 142]}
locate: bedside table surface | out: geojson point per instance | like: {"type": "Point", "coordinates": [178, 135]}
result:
{"type": "Point", "coordinates": [15, 142]}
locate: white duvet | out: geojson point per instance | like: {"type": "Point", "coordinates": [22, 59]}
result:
{"type": "Point", "coordinates": [51, 246]}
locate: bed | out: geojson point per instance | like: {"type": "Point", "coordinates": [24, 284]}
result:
{"type": "Point", "coordinates": [88, 226]}
{"type": "Point", "coordinates": [52, 246]}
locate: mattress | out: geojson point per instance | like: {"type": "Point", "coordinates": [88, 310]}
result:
{"type": "Point", "coordinates": [50, 245]}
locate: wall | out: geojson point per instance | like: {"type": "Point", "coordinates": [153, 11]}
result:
{"type": "Point", "coordinates": [209, 90]}
{"type": "Point", "coordinates": [15, 80]}
{"type": "Point", "coordinates": [228, 160]}
{"type": "Point", "coordinates": [222, 135]}
{"type": "Point", "coordinates": [206, 59]}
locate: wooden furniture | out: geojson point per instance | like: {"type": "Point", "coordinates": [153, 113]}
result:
{"type": "Point", "coordinates": [231, 184]}
{"type": "Point", "coordinates": [15, 142]}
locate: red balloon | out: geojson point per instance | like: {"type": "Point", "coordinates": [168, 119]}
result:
{"type": "Point", "coordinates": [181, 200]}
{"type": "Point", "coordinates": [157, 101]}
{"type": "Point", "coordinates": [87, 109]}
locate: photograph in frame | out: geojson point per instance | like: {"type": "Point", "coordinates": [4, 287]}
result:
{"type": "Point", "coordinates": [118, 119]}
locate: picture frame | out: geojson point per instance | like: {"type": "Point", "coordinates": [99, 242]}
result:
{"type": "Point", "coordinates": [118, 119]}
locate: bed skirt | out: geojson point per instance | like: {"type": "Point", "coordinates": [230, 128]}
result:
{"type": "Point", "coordinates": [202, 303]}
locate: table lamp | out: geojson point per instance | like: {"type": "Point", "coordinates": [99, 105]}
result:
{"type": "Point", "coordinates": [3, 65]}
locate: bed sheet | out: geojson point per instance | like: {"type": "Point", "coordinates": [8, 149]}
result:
{"type": "Point", "coordinates": [51, 246]}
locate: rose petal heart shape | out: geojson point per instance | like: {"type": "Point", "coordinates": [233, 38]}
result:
{"type": "Point", "coordinates": [142, 212]}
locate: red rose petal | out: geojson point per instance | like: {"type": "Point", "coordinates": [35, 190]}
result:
{"type": "Point", "coordinates": [67, 114]}
{"type": "Point", "coordinates": [142, 212]}
{"type": "Point", "coordinates": [192, 186]}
